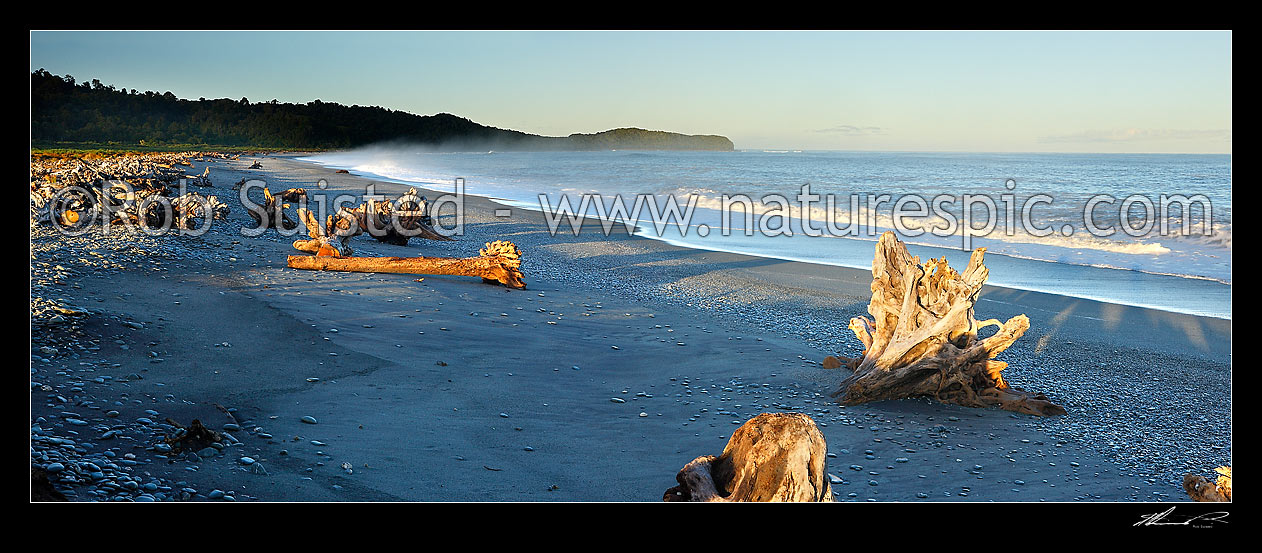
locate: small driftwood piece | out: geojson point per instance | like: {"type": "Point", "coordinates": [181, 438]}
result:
{"type": "Point", "coordinates": [772, 457]}
{"type": "Point", "coordinates": [195, 437]}
{"type": "Point", "coordinates": [498, 262]}
{"type": "Point", "coordinates": [330, 239]}
{"type": "Point", "coordinates": [293, 194]}
{"type": "Point", "coordinates": [199, 180]}
{"type": "Point", "coordinates": [1200, 488]}
{"type": "Point", "coordinates": [923, 339]}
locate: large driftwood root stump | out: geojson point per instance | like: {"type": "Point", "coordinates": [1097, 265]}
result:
{"type": "Point", "coordinates": [396, 224]}
{"type": "Point", "coordinates": [1200, 488]}
{"type": "Point", "coordinates": [772, 457]}
{"type": "Point", "coordinates": [922, 339]}
{"type": "Point", "coordinates": [498, 262]}
{"type": "Point", "coordinates": [272, 213]}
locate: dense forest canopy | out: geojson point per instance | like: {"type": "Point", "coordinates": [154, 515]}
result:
{"type": "Point", "coordinates": [66, 111]}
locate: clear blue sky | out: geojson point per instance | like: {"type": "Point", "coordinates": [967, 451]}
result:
{"type": "Point", "coordinates": [960, 91]}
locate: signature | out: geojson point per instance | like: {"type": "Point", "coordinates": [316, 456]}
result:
{"type": "Point", "coordinates": [1198, 521]}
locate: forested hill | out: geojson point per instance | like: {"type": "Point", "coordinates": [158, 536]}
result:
{"type": "Point", "coordinates": [63, 111]}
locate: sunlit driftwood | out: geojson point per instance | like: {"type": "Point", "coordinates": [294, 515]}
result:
{"type": "Point", "coordinates": [499, 262]}
{"type": "Point", "coordinates": [923, 339]}
{"type": "Point", "coordinates": [396, 224]}
{"type": "Point", "coordinates": [772, 457]}
{"type": "Point", "coordinates": [1200, 488]}
{"type": "Point", "coordinates": [331, 238]}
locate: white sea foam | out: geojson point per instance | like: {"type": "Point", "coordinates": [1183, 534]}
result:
{"type": "Point", "coordinates": [707, 177]}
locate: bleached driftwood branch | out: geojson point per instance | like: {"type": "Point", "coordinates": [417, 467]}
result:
{"type": "Point", "coordinates": [922, 339]}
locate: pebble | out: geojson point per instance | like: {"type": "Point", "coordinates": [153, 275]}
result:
{"type": "Point", "coordinates": [309, 419]}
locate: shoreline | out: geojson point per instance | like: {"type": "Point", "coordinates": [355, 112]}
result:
{"type": "Point", "coordinates": [1025, 263]}
{"type": "Point", "coordinates": [521, 410]}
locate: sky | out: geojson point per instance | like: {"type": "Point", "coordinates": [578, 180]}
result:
{"type": "Point", "coordinates": [1161, 92]}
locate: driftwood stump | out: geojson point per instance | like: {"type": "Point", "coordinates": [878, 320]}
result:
{"type": "Point", "coordinates": [329, 239]}
{"type": "Point", "coordinates": [772, 457]}
{"type": "Point", "coordinates": [272, 213]}
{"type": "Point", "coordinates": [396, 224]}
{"type": "Point", "coordinates": [498, 262]}
{"type": "Point", "coordinates": [922, 339]}
{"type": "Point", "coordinates": [1200, 488]}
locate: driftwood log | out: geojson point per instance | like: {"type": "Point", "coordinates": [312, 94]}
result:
{"type": "Point", "coordinates": [498, 262]}
{"type": "Point", "coordinates": [772, 457]}
{"type": "Point", "coordinates": [1200, 488]}
{"type": "Point", "coordinates": [922, 340]}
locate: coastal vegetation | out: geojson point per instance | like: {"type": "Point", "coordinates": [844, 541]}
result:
{"type": "Point", "coordinates": [90, 115]}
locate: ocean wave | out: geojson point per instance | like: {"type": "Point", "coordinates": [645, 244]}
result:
{"type": "Point", "coordinates": [1220, 236]}
{"type": "Point", "coordinates": [881, 220]}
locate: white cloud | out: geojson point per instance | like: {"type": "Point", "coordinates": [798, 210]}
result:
{"type": "Point", "coordinates": [852, 130]}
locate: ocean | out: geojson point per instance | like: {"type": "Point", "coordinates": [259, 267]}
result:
{"type": "Point", "coordinates": [1157, 235]}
